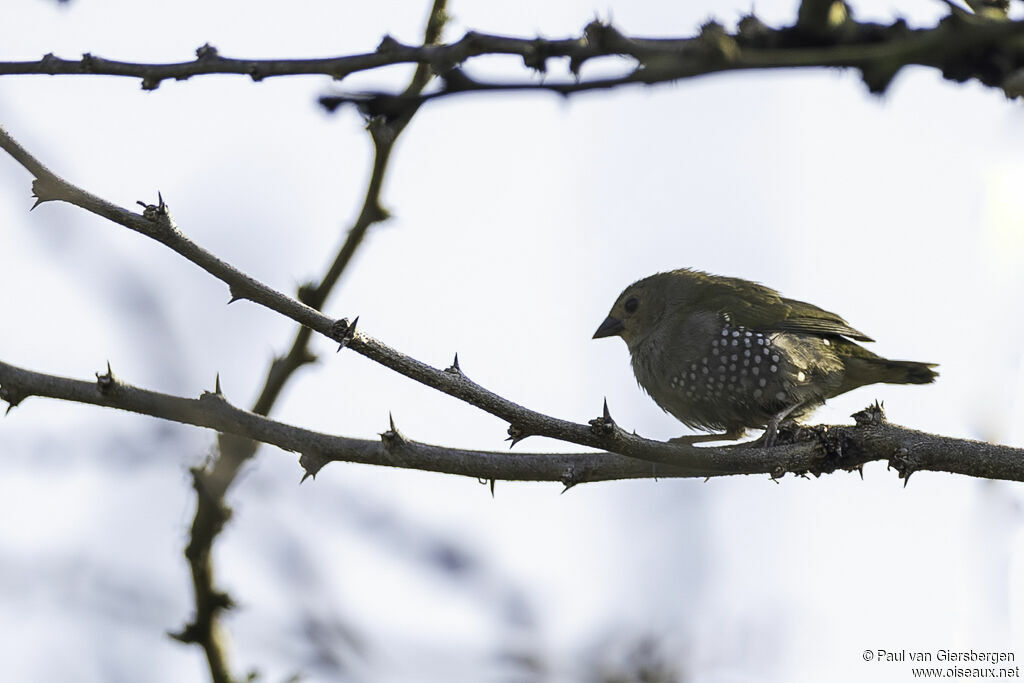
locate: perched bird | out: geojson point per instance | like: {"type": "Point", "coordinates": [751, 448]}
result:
{"type": "Point", "coordinates": [721, 353]}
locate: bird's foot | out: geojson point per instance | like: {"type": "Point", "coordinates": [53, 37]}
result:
{"type": "Point", "coordinates": [771, 431]}
{"type": "Point", "coordinates": [690, 439]}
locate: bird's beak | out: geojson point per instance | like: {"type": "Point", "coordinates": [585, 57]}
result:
{"type": "Point", "coordinates": [609, 328]}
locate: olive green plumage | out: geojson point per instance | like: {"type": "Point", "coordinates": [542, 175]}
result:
{"type": "Point", "coordinates": [721, 353]}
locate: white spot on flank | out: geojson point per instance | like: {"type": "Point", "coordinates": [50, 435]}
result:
{"type": "Point", "coordinates": [800, 377]}
{"type": "Point", "coordinates": [761, 382]}
{"type": "Point", "coordinates": [827, 342]}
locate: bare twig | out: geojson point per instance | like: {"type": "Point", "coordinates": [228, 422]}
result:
{"type": "Point", "coordinates": [962, 46]}
{"type": "Point", "coordinates": [235, 447]}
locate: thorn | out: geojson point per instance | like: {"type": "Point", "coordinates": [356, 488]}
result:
{"type": "Point", "coordinates": [567, 487]}
{"type": "Point", "coordinates": [106, 381]}
{"type": "Point", "coordinates": [311, 463]}
{"type": "Point", "coordinates": [392, 438]}
{"type": "Point", "coordinates": [151, 212]}
{"type": "Point", "coordinates": [492, 487]}
{"type": "Point", "coordinates": [515, 435]}
{"type": "Point", "coordinates": [236, 294]}
{"type": "Point", "coordinates": [860, 470]}
{"type": "Point", "coordinates": [604, 425]}
{"type": "Point", "coordinates": [454, 368]}
{"type": "Point", "coordinates": [343, 332]}
{"type": "Point", "coordinates": [216, 386]}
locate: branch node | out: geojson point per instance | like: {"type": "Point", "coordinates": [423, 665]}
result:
{"type": "Point", "coordinates": [255, 73]}
{"type": "Point", "coordinates": [536, 55]}
{"type": "Point", "coordinates": [392, 438]}
{"type": "Point", "coordinates": [344, 332]}
{"type": "Point", "coordinates": [236, 292]}
{"type": "Point", "coordinates": [206, 52]}
{"type": "Point", "coordinates": [388, 44]}
{"type": "Point", "coordinates": [752, 31]}
{"type": "Point", "coordinates": [150, 83]}
{"type": "Point", "coordinates": [106, 382]}
{"type": "Point", "coordinates": [515, 435]}
{"type": "Point", "coordinates": [45, 190]}
{"type": "Point", "coordinates": [872, 416]}
{"type": "Point", "coordinates": [311, 462]}
{"type": "Point", "coordinates": [570, 478]}
{"type": "Point", "coordinates": [454, 368]}
{"type": "Point", "coordinates": [155, 212]}
{"type": "Point", "coordinates": [904, 463]}
{"type": "Point", "coordinates": [604, 425]}
{"type": "Point", "coordinates": [12, 396]}
{"type": "Point", "coordinates": [714, 36]}
{"type": "Point", "coordinates": [485, 482]}
{"type": "Point", "coordinates": [88, 62]}
{"type": "Point", "coordinates": [307, 294]}
{"type": "Point", "coordinates": [49, 62]}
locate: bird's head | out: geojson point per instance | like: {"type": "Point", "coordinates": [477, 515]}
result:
{"type": "Point", "coordinates": [638, 309]}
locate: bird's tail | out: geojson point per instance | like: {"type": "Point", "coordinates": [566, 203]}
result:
{"type": "Point", "coordinates": [869, 370]}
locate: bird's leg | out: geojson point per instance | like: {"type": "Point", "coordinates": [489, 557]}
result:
{"type": "Point", "coordinates": [772, 429]}
{"type": "Point", "coordinates": [690, 439]}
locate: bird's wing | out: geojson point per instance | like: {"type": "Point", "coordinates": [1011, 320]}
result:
{"type": "Point", "coordinates": [809, 319]}
{"type": "Point", "coordinates": [761, 308]}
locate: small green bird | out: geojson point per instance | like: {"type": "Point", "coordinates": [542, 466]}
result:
{"type": "Point", "coordinates": [721, 353]}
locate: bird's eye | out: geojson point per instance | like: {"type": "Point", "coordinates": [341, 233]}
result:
{"type": "Point", "coordinates": [632, 303]}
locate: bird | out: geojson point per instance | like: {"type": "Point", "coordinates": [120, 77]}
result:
{"type": "Point", "coordinates": [724, 354]}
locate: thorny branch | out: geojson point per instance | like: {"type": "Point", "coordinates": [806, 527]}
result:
{"type": "Point", "coordinates": [602, 433]}
{"type": "Point", "coordinates": [802, 450]}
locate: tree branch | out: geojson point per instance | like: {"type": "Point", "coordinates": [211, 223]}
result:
{"type": "Point", "coordinates": [802, 450]}
{"type": "Point", "coordinates": [212, 482]}
{"type": "Point", "coordinates": [984, 46]}
{"type": "Point", "coordinates": [962, 46]}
